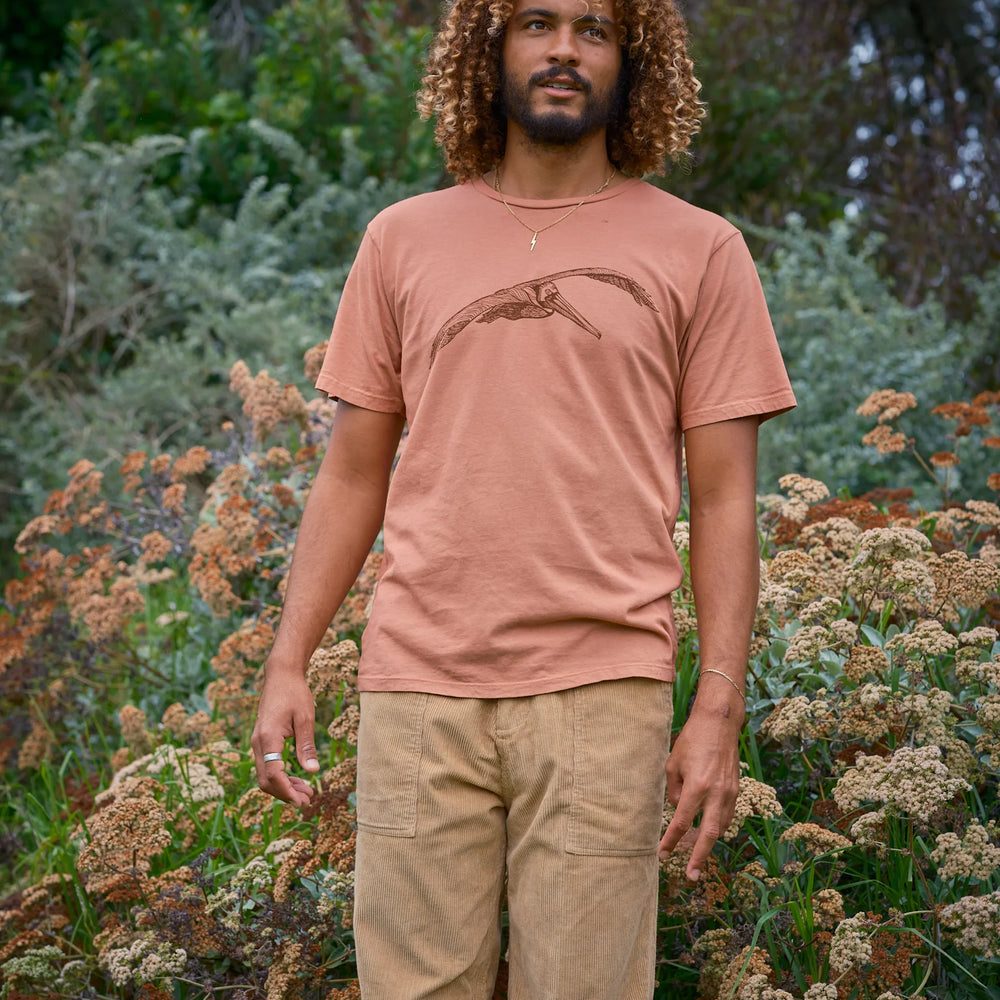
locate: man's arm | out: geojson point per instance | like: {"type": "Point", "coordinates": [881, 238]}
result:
{"type": "Point", "coordinates": [340, 522]}
{"type": "Point", "coordinates": [703, 769]}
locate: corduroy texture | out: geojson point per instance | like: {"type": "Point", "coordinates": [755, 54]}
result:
{"type": "Point", "coordinates": [561, 792]}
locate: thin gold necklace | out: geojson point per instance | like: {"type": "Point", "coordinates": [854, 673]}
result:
{"type": "Point", "coordinates": [562, 218]}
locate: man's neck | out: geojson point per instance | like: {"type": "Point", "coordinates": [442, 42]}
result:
{"type": "Point", "coordinates": [529, 170]}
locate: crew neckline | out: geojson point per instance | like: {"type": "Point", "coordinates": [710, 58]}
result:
{"type": "Point", "coordinates": [481, 187]}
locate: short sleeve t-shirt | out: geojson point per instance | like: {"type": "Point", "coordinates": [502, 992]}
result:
{"type": "Point", "coordinates": [529, 519]}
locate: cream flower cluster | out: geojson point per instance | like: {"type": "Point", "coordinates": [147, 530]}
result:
{"type": "Point", "coordinates": [928, 638]}
{"type": "Point", "coordinates": [888, 562]}
{"type": "Point", "coordinates": [330, 667]}
{"type": "Point", "coordinates": [144, 961]}
{"type": "Point", "coordinates": [828, 908]}
{"type": "Point", "coordinates": [973, 922]}
{"type": "Point", "coordinates": [754, 799]}
{"type": "Point", "coordinates": [810, 640]}
{"type": "Point", "coordinates": [821, 991]}
{"type": "Point", "coordinates": [851, 945]}
{"type": "Point", "coordinates": [972, 855]}
{"type": "Point", "coordinates": [985, 512]}
{"type": "Point", "coordinates": [758, 987]}
{"type": "Point", "coordinates": [929, 714]}
{"type": "Point", "coordinates": [196, 778]}
{"type": "Point", "coordinates": [970, 669]}
{"type": "Point", "coordinates": [682, 536]}
{"type": "Point", "coordinates": [802, 492]}
{"type": "Point", "coordinates": [837, 534]}
{"type": "Point", "coordinates": [345, 725]}
{"type": "Point", "coordinates": [336, 890]}
{"type": "Point", "coordinates": [795, 719]}
{"type": "Point", "coordinates": [865, 661]}
{"type": "Point", "coordinates": [913, 782]}
{"type": "Point", "coordinates": [817, 839]}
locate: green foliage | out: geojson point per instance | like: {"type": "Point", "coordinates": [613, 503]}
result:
{"type": "Point", "coordinates": [776, 138]}
{"type": "Point", "coordinates": [122, 309]}
{"type": "Point", "coordinates": [343, 89]}
{"type": "Point", "coordinates": [844, 335]}
{"type": "Point", "coordinates": [326, 88]}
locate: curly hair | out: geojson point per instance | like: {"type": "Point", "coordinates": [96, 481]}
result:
{"type": "Point", "coordinates": [462, 79]}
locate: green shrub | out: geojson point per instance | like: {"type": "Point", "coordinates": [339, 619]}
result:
{"type": "Point", "coordinates": [121, 314]}
{"type": "Point", "coordinates": [845, 335]}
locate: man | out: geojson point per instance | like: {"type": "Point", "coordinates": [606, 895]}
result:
{"type": "Point", "coordinates": [548, 328]}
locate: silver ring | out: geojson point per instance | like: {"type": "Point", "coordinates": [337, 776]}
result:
{"type": "Point", "coordinates": [268, 757]}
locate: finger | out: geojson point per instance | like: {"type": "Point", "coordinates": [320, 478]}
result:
{"type": "Point", "coordinates": [682, 843]}
{"type": "Point", "coordinates": [708, 834]}
{"type": "Point", "coordinates": [289, 788]}
{"type": "Point", "coordinates": [675, 787]}
{"type": "Point", "coordinates": [305, 746]}
{"type": "Point", "coordinates": [679, 825]}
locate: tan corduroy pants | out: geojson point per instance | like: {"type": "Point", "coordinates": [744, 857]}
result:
{"type": "Point", "coordinates": [555, 798]}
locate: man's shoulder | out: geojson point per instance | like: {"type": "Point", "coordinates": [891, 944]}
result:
{"type": "Point", "coordinates": [416, 213]}
{"type": "Point", "coordinates": [682, 215]}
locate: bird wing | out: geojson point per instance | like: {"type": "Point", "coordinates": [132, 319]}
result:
{"type": "Point", "coordinates": [616, 278]}
{"type": "Point", "coordinates": [499, 305]}
{"type": "Point", "coordinates": [463, 318]}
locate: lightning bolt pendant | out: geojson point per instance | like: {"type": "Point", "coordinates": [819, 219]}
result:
{"type": "Point", "coordinates": [534, 238]}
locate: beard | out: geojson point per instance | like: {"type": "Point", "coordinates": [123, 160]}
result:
{"type": "Point", "coordinates": [558, 127]}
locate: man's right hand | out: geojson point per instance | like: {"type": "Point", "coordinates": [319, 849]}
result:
{"type": "Point", "coordinates": [340, 522]}
{"type": "Point", "coordinates": [286, 711]}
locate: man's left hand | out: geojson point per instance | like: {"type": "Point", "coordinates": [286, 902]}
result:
{"type": "Point", "coordinates": [703, 775]}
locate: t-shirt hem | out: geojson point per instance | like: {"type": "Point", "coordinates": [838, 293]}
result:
{"type": "Point", "coordinates": [336, 389]}
{"type": "Point", "coordinates": [763, 407]}
{"type": "Point", "coordinates": [512, 689]}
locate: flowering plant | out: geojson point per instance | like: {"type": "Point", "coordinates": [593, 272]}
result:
{"type": "Point", "coordinates": [862, 861]}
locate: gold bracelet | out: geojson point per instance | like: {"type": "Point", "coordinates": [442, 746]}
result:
{"type": "Point", "coordinates": [709, 670]}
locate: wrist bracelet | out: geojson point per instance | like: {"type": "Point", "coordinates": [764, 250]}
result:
{"type": "Point", "coordinates": [709, 670]}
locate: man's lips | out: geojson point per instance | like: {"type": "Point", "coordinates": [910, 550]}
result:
{"type": "Point", "coordinates": [560, 89]}
{"type": "Point", "coordinates": [562, 82]}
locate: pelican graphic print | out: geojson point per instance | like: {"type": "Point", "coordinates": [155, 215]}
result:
{"type": "Point", "coordinates": [536, 299]}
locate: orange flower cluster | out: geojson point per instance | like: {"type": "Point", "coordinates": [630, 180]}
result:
{"type": "Point", "coordinates": [237, 664]}
{"type": "Point", "coordinates": [969, 415]}
{"type": "Point", "coordinates": [123, 838]}
{"type": "Point", "coordinates": [266, 402]}
{"type": "Point", "coordinates": [888, 405]}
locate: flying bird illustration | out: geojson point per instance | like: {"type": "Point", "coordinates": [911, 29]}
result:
{"type": "Point", "coordinates": [536, 299]}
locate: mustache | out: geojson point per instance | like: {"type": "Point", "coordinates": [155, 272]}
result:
{"type": "Point", "coordinates": [565, 72]}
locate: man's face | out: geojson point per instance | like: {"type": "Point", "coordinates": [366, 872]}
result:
{"type": "Point", "coordinates": [562, 77]}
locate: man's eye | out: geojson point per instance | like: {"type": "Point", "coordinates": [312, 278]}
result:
{"type": "Point", "coordinates": [536, 25]}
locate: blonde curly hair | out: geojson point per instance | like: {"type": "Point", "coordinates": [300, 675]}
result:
{"type": "Point", "coordinates": [462, 79]}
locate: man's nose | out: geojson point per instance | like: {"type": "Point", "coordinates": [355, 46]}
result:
{"type": "Point", "coordinates": [565, 47]}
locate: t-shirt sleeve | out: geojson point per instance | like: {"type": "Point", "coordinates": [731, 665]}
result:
{"type": "Point", "coordinates": [362, 361]}
{"type": "Point", "coordinates": [730, 363]}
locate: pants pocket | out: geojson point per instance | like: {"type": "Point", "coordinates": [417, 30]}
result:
{"type": "Point", "coordinates": [621, 735]}
{"type": "Point", "coordinates": [390, 742]}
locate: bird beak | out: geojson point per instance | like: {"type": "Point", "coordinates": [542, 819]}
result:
{"type": "Point", "coordinates": [561, 306]}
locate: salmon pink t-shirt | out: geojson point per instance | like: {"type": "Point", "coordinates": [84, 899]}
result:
{"type": "Point", "coordinates": [529, 519]}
